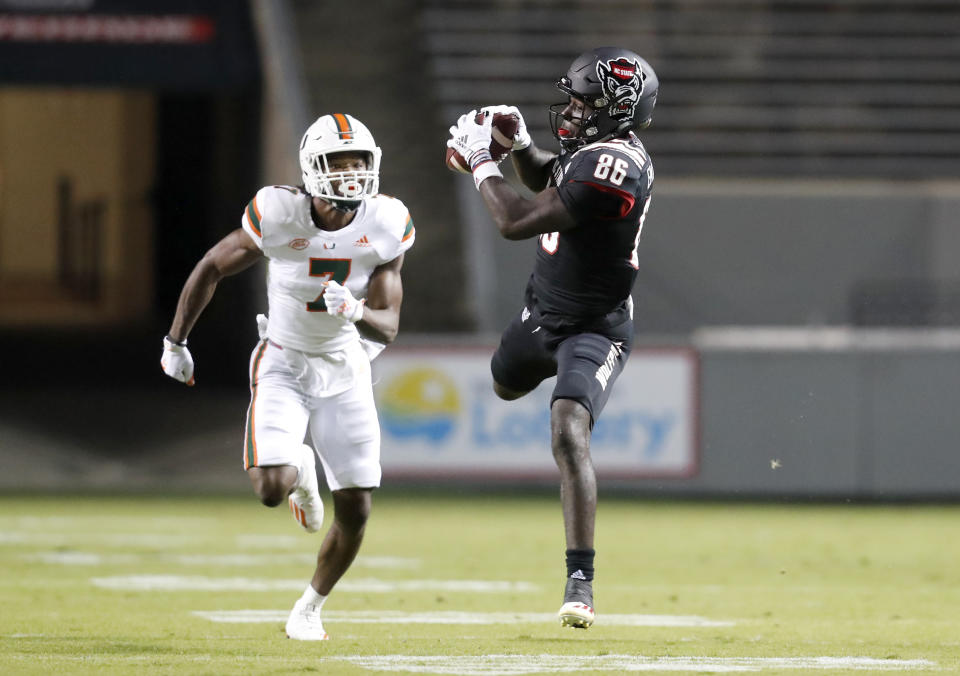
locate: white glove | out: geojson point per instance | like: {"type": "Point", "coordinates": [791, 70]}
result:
{"type": "Point", "coordinates": [341, 303]}
{"type": "Point", "coordinates": [262, 324]}
{"type": "Point", "coordinates": [177, 362]}
{"type": "Point", "coordinates": [472, 141]}
{"type": "Point", "coordinates": [522, 138]}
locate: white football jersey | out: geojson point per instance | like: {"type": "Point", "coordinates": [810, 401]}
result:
{"type": "Point", "coordinates": [301, 257]}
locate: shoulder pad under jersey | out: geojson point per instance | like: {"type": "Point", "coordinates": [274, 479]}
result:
{"type": "Point", "coordinates": [272, 214]}
{"type": "Point", "coordinates": [605, 180]}
{"type": "Point", "coordinates": [587, 160]}
{"type": "Point", "coordinates": [395, 226]}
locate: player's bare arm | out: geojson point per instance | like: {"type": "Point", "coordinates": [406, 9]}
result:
{"type": "Point", "coordinates": [233, 254]}
{"type": "Point", "coordinates": [532, 165]}
{"type": "Point", "coordinates": [381, 313]}
{"type": "Point", "coordinates": [520, 218]}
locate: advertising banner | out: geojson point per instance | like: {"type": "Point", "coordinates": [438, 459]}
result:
{"type": "Point", "coordinates": [440, 418]}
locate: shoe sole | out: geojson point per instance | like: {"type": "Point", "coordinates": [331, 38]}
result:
{"type": "Point", "coordinates": [576, 615]}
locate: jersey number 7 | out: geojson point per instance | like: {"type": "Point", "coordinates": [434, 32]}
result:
{"type": "Point", "coordinates": [337, 269]}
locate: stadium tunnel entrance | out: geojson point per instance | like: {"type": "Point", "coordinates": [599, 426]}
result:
{"type": "Point", "coordinates": [129, 144]}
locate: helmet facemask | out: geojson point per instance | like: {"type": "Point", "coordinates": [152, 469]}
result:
{"type": "Point", "coordinates": [328, 136]}
{"type": "Point", "coordinates": [588, 129]}
{"type": "Point", "coordinates": [343, 189]}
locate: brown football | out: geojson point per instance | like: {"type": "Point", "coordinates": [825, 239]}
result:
{"type": "Point", "coordinates": [503, 129]}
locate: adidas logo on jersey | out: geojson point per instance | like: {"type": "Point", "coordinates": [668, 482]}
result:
{"type": "Point", "coordinates": [363, 241]}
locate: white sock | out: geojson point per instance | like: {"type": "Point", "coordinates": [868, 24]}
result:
{"type": "Point", "coordinates": [311, 596]}
{"type": "Point", "coordinates": [302, 466]}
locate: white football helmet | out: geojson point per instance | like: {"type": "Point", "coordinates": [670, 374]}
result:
{"type": "Point", "coordinates": [339, 133]}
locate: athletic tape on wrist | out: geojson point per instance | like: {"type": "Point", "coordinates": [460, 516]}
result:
{"type": "Point", "coordinates": [485, 171]}
{"type": "Point", "coordinates": [357, 314]}
{"type": "Point", "coordinates": [480, 157]}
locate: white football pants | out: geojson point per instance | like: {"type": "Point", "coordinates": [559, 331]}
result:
{"type": "Point", "coordinates": [331, 395]}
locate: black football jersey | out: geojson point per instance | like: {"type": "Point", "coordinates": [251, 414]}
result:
{"type": "Point", "coordinates": [587, 272]}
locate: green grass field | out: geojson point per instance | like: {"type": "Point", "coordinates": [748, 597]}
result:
{"type": "Point", "coordinates": [469, 585]}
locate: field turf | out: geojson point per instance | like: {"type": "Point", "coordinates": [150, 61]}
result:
{"type": "Point", "coordinates": [469, 585]}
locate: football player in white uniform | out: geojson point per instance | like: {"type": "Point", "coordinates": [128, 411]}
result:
{"type": "Point", "coordinates": [334, 249]}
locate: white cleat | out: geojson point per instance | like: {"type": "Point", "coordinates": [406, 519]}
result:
{"type": "Point", "coordinates": [305, 503]}
{"type": "Point", "coordinates": [577, 608]}
{"type": "Point", "coordinates": [304, 622]}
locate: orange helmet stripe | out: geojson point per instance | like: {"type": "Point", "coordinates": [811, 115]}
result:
{"type": "Point", "coordinates": [343, 126]}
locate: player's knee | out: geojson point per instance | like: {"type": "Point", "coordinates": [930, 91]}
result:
{"type": "Point", "coordinates": [351, 509]}
{"type": "Point", "coordinates": [270, 493]}
{"type": "Point", "coordinates": [271, 498]}
{"type": "Point", "coordinates": [506, 393]}
{"type": "Point", "coordinates": [570, 432]}
{"type": "Point", "coordinates": [273, 484]}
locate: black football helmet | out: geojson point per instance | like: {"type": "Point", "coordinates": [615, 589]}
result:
{"type": "Point", "coordinates": [620, 87]}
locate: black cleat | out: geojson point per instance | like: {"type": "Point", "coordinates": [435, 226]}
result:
{"type": "Point", "coordinates": [577, 608]}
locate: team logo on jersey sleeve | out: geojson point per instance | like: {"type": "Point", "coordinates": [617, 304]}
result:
{"type": "Point", "coordinates": [622, 82]}
{"type": "Point", "coordinates": [299, 243]}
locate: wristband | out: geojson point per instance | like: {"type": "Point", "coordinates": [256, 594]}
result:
{"type": "Point", "coordinates": [484, 171]}
{"type": "Point", "coordinates": [480, 157]}
{"type": "Point", "coordinates": [179, 343]}
{"type": "Point", "coordinates": [358, 312]}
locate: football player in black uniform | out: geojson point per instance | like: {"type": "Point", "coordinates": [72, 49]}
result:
{"type": "Point", "coordinates": [577, 323]}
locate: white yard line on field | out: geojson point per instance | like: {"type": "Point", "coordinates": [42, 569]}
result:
{"type": "Point", "coordinates": [81, 558]}
{"type": "Point", "coordinates": [77, 558]}
{"type": "Point", "coordinates": [512, 665]}
{"type": "Point", "coordinates": [264, 541]}
{"type": "Point", "coordinates": [488, 665]}
{"type": "Point", "coordinates": [456, 617]}
{"type": "Point", "coordinates": [87, 538]}
{"type": "Point", "coordinates": [380, 562]}
{"type": "Point", "coordinates": [364, 585]}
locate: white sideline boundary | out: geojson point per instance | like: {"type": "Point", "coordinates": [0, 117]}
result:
{"type": "Point", "coordinates": [488, 665]}
{"type": "Point", "coordinates": [454, 617]}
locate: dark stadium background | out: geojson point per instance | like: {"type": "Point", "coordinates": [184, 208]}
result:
{"type": "Point", "coordinates": [803, 240]}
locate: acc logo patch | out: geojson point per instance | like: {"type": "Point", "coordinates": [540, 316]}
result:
{"type": "Point", "coordinates": [299, 243]}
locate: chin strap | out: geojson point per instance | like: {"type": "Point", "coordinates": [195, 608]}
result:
{"type": "Point", "coordinates": [346, 207]}
{"type": "Point", "coordinates": [575, 144]}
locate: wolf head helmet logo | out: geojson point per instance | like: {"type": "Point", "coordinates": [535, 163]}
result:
{"type": "Point", "coordinates": [622, 82]}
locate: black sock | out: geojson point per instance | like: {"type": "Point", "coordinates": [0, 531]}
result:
{"type": "Point", "coordinates": [580, 563]}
